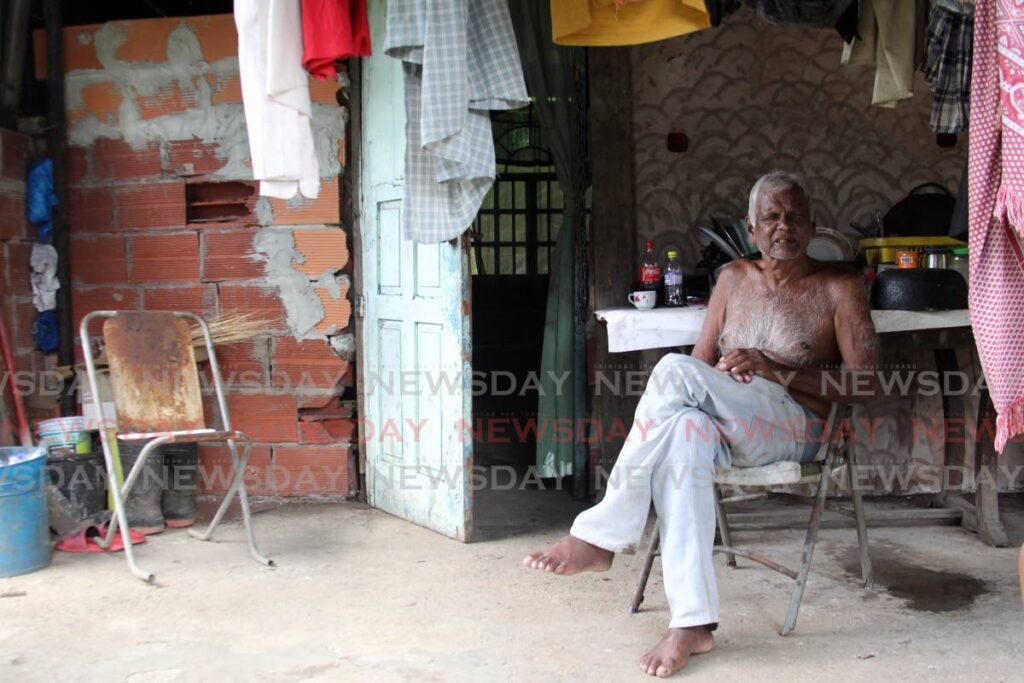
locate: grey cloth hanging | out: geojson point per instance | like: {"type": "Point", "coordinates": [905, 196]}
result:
{"type": "Point", "coordinates": [460, 62]}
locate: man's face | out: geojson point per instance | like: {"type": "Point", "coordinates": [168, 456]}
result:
{"type": "Point", "coordinates": [782, 227]}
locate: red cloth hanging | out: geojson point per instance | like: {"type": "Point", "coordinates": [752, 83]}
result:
{"type": "Point", "coordinates": [333, 30]}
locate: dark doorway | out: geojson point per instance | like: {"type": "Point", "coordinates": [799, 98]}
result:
{"type": "Point", "coordinates": [513, 240]}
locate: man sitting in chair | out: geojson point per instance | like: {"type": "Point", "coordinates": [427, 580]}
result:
{"type": "Point", "coordinates": [751, 394]}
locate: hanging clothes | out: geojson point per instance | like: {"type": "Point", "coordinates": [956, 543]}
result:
{"type": "Point", "coordinates": [888, 41]}
{"type": "Point", "coordinates": [996, 208]}
{"type": "Point", "coordinates": [460, 62]}
{"type": "Point", "coordinates": [275, 94]}
{"type": "Point", "coordinates": [45, 283]}
{"type": "Point", "coordinates": [846, 24]}
{"type": "Point", "coordinates": [947, 67]}
{"type": "Point", "coordinates": [839, 14]}
{"type": "Point", "coordinates": [333, 30]}
{"type": "Point", "coordinates": [607, 22]}
{"type": "Point", "coordinates": [720, 9]}
{"type": "Point", "coordinates": [804, 13]}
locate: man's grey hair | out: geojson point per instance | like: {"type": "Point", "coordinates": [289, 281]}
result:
{"type": "Point", "coordinates": [769, 184]}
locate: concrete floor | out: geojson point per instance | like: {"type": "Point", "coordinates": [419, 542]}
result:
{"type": "Point", "coordinates": [359, 595]}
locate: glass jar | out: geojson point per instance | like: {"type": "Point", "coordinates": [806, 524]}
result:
{"type": "Point", "coordinates": [959, 260]}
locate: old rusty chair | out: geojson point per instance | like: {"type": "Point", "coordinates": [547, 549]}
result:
{"type": "Point", "coordinates": [156, 390]}
{"type": "Point", "coordinates": [777, 475]}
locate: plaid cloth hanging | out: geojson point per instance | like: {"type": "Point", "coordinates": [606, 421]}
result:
{"type": "Point", "coordinates": [947, 68]}
{"type": "Point", "coordinates": [460, 61]}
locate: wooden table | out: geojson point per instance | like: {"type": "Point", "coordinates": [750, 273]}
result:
{"type": "Point", "coordinates": [941, 332]}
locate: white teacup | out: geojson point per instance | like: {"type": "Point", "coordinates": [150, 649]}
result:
{"type": "Point", "coordinates": [643, 300]}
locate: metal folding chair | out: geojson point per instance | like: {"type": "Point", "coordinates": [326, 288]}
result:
{"type": "Point", "coordinates": [784, 474]}
{"type": "Point", "coordinates": [156, 390]}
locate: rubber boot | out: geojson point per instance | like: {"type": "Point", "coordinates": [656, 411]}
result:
{"type": "Point", "coordinates": [143, 502]}
{"type": "Point", "coordinates": [181, 467]}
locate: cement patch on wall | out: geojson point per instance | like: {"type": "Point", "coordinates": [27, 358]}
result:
{"type": "Point", "coordinates": [185, 83]}
{"type": "Point", "coordinates": [301, 295]}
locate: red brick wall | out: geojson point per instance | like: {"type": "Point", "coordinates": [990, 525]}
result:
{"type": "Point", "coordinates": [147, 124]}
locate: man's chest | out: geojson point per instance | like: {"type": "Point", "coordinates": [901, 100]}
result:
{"type": "Point", "coordinates": [800, 329]}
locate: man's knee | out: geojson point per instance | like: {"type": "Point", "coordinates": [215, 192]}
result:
{"type": "Point", "coordinates": [671, 368]}
{"type": "Point", "coordinates": [673, 360]}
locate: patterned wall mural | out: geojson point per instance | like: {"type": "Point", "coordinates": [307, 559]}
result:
{"type": "Point", "coordinates": [753, 96]}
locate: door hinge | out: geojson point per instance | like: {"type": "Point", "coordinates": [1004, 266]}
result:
{"type": "Point", "coordinates": [360, 306]}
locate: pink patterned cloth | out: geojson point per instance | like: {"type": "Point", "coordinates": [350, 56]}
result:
{"type": "Point", "coordinates": [996, 200]}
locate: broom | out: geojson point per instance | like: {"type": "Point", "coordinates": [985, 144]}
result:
{"type": "Point", "coordinates": [231, 329]}
{"type": "Point", "coordinates": [227, 330]}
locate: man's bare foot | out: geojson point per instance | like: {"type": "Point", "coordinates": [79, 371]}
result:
{"type": "Point", "coordinates": [674, 650]}
{"type": "Point", "coordinates": [571, 556]}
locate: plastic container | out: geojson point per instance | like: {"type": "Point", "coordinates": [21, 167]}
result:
{"type": "Point", "coordinates": [61, 425]}
{"type": "Point", "coordinates": [675, 294]}
{"type": "Point", "coordinates": [908, 259]}
{"type": "Point", "coordinates": [67, 432]}
{"type": "Point", "coordinates": [884, 249]}
{"type": "Point", "coordinates": [24, 525]}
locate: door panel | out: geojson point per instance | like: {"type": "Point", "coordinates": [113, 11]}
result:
{"type": "Point", "coordinates": [415, 345]}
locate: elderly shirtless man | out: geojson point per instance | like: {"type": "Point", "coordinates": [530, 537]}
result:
{"type": "Point", "coordinates": [755, 383]}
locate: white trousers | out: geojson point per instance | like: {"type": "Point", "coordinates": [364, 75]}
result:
{"type": "Point", "coordinates": [690, 416]}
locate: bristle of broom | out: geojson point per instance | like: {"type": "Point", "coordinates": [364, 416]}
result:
{"type": "Point", "coordinates": [231, 329]}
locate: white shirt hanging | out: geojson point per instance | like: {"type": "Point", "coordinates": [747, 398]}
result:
{"type": "Point", "coordinates": [275, 92]}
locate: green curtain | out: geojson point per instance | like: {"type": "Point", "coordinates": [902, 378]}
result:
{"type": "Point", "coordinates": [554, 79]}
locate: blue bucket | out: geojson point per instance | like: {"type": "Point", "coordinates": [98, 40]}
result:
{"type": "Point", "coordinates": [24, 526]}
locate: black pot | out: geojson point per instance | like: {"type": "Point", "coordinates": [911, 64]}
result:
{"type": "Point", "coordinates": [919, 289]}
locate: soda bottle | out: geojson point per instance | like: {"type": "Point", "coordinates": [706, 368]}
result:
{"type": "Point", "coordinates": [650, 271]}
{"type": "Point", "coordinates": [674, 293]}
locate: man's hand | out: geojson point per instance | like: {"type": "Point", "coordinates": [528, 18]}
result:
{"type": "Point", "coordinates": [743, 364]}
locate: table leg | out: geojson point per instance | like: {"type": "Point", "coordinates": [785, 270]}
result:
{"type": "Point", "coordinates": [953, 414]}
{"type": "Point", "coordinates": [983, 515]}
{"type": "Point", "coordinates": [986, 496]}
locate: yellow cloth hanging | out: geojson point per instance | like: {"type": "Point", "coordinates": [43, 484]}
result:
{"type": "Point", "coordinates": [602, 23]}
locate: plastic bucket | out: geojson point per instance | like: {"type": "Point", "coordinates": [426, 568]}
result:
{"type": "Point", "coordinates": [56, 425]}
{"type": "Point", "coordinates": [24, 527]}
{"type": "Point", "coordinates": [67, 432]}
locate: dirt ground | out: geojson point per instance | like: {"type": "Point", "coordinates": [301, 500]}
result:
{"type": "Point", "coordinates": [359, 595]}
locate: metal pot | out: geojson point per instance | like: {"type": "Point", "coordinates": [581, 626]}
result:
{"type": "Point", "coordinates": [919, 289]}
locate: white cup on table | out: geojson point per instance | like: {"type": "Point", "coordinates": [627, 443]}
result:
{"type": "Point", "coordinates": [644, 299]}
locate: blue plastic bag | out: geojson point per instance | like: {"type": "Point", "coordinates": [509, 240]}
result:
{"type": "Point", "coordinates": [44, 331]}
{"type": "Point", "coordinates": [40, 197]}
